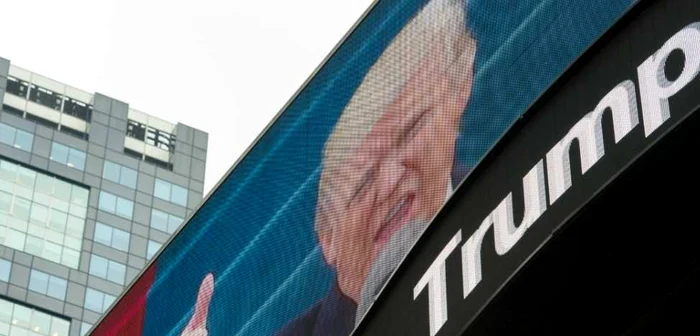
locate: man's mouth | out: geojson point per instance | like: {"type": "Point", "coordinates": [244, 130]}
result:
{"type": "Point", "coordinates": [395, 219]}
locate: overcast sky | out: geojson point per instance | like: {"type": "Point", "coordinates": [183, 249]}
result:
{"type": "Point", "coordinates": [226, 67]}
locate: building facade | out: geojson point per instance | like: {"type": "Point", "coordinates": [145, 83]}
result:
{"type": "Point", "coordinates": [90, 189]}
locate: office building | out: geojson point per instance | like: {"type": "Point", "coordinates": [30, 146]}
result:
{"type": "Point", "coordinates": [90, 189]}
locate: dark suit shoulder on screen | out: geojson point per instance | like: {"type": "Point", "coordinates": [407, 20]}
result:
{"type": "Point", "coordinates": [333, 315]}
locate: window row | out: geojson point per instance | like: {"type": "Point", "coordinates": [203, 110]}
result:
{"type": "Point", "coordinates": [107, 269]}
{"type": "Point", "coordinates": [170, 192]}
{"type": "Point", "coordinates": [47, 284]}
{"type": "Point", "coordinates": [50, 99]}
{"type": "Point", "coordinates": [16, 138]}
{"type": "Point", "coordinates": [97, 301]}
{"type": "Point", "coordinates": [165, 222]}
{"type": "Point", "coordinates": [150, 135]}
{"type": "Point", "coordinates": [68, 156]}
{"type": "Point", "coordinates": [19, 320]}
{"type": "Point", "coordinates": [119, 206]}
{"type": "Point", "coordinates": [119, 174]}
{"type": "Point", "coordinates": [109, 236]}
{"type": "Point", "coordinates": [41, 215]}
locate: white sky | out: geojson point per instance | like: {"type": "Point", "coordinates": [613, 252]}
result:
{"type": "Point", "coordinates": [226, 67]}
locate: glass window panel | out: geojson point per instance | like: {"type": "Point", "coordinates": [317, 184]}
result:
{"type": "Point", "coordinates": [110, 171]}
{"type": "Point", "coordinates": [70, 258]}
{"type": "Point", "coordinates": [36, 230]}
{"type": "Point", "coordinates": [98, 266]}
{"type": "Point", "coordinates": [116, 272]}
{"type": "Point", "coordinates": [78, 211]}
{"type": "Point", "coordinates": [34, 245]}
{"type": "Point", "coordinates": [15, 239]}
{"type": "Point", "coordinates": [59, 327]}
{"type": "Point", "coordinates": [76, 159]}
{"type": "Point", "coordinates": [41, 322]}
{"type": "Point", "coordinates": [19, 225]}
{"type": "Point", "coordinates": [44, 184]}
{"type": "Point", "coordinates": [52, 252]}
{"type": "Point", "coordinates": [80, 196]}
{"type": "Point", "coordinates": [94, 300]}
{"type": "Point", "coordinates": [5, 202]}
{"type": "Point", "coordinates": [40, 214]}
{"type": "Point", "coordinates": [23, 191]}
{"type": "Point", "coordinates": [3, 230]}
{"type": "Point", "coordinates": [173, 223]}
{"type": "Point", "coordinates": [179, 195]}
{"type": "Point", "coordinates": [120, 240]}
{"type": "Point", "coordinates": [20, 209]}
{"type": "Point", "coordinates": [128, 177]}
{"type": "Point", "coordinates": [54, 237]}
{"type": "Point", "coordinates": [18, 331]}
{"type": "Point", "coordinates": [108, 202]}
{"type": "Point", "coordinates": [42, 199]}
{"type": "Point", "coordinates": [73, 243]}
{"type": "Point", "coordinates": [152, 248]}
{"type": "Point", "coordinates": [107, 302]}
{"type": "Point", "coordinates": [84, 328]}
{"type": "Point", "coordinates": [8, 171]}
{"type": "Point", "coordinates": [4, 328]}
{"type": "Point", "coordinates": [57, 288]}
{"type": "Point", "coordinates": [4, 272]}
{"type": "Point", "coordinates": [23, 315]}
{"type": "Point", "coordinates": [38, 282]}
{"type": "Point", "coordinates": [7, 134]}
{"type": "Point", "coordinates": [159, 220]}
{"type": "Point", "coordinates": [6, 186]}
{"type": "Point", "coordinates": [24, 140]}
{"type": "Point", "coordinates": [62, 190]}
{"type": "Point", "coordinates": [26, 177]}
{"type": "Point", "coordinates": [162, 190]}
{"type": "Point", "coordinates": [59, 153]}
{"type": "Point", "coordinates": [125, 208]}
{"type": "Point", "coordinates": [103, 234]}
{"type": "Point", "coordinates": [75, 227]}
{"type": "Point", "coordinates": [57, 221]}
{"type": "Point", "coordinates": [6, 308]}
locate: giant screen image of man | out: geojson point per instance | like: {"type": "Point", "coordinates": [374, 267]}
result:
{"type": "Point", "coordinates": [386, 166]}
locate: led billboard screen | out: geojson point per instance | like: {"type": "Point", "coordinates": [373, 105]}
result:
{"type": "Point", "coordinates": [307, 227]}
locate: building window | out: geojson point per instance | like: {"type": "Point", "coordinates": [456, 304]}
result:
{"type": "Point", "coordinates": [16, 138]}
{"type": "Point", "coordinates": [41, 215]}
{"type": "Point", "coordinates": [49, 285]}
{"type": "Point", "coordinates": [45, 97]}
{"type": "Point", "coordinates": [107, 235]}
{"type": "Point", "coordinates": [97, 301]}
{"type": "Point", "coordinates": [121, 207]}
{"type": "Point", "coordinates": [119, 174]}
{"type": "Point", "coordinates": [136, 130]}
{"type": "Point", "coordinates": [107, 269]}
{"type": "Point", "coordinates": [165, 222]}
{"type": "Point", "coordinates": [5, 267]}
{"type": "Point", "coordinates": [77, 109]}
{"type": "Point", "coordinates": [17, 87]}
{"type": "Point", "coordinates": [170, 192]}
{"type": "Point", "coordinates": [17, 319]}
{"type": "Point", "coordinates": [68, 156]}
{"type": "Point", "coordinates": [84, 328]}
{"type": "Point", "coordinates": [152, 248]}
{"type": "Point", "coordinates": [160, 139]}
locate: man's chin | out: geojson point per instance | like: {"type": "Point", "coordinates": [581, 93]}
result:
{"type": "Point", "coordinates": [388, 257]}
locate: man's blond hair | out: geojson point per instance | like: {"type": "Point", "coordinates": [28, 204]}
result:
{"type": "Point", "coordinates": [439, 19]}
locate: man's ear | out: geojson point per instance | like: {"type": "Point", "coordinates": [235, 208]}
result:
{"type": "Point", "coordinates": [325, 238]}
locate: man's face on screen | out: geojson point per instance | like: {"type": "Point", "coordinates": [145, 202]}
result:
{"type": "Point", "coordinates": [400, 172]}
